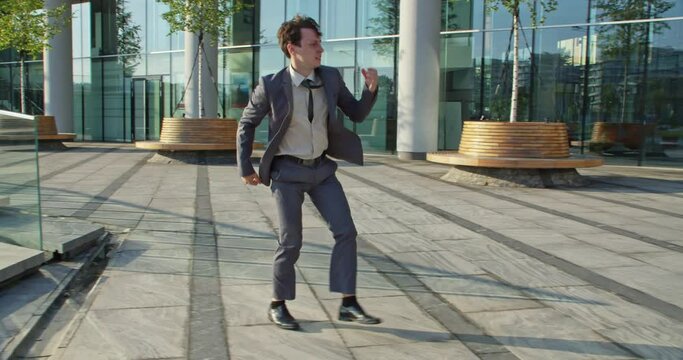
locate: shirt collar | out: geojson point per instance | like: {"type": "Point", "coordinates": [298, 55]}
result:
{"type": "Point", "coordinates": [298, 78]}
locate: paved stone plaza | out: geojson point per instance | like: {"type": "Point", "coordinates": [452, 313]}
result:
{"type": "Point", "coordinates": [454, 271]}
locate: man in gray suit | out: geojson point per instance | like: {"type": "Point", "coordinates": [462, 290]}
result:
{"type": "Point", "coordinates": [301, 101]}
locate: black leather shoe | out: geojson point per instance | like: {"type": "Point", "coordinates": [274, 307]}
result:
{"type": "Point", "coordinates": [282, 318]}
{"type": "Point", "coordinates": [356, 313]}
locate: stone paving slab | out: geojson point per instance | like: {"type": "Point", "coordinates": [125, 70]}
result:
{"type": "Point", "coordinates": [454, 272]}
{"type": "Point", "coordinates": [17, 260]}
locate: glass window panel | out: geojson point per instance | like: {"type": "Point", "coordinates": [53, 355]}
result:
{"type": "Point", "coordinates": [160, 64]}
{"type": "Point", "coordinates": [497, 83]}
{"type": "Point", "coordinates": [157, 29]}
{"type": "Point", "coordinates": [242, 27]}
{"type": "Point", "coordinates": [128, 34]}
{"type": "Point", "coordinates": [235, 81]}
{"type": "Point", "coordinates": [336, 19]}
{"type": "Point", "coordinates": [459, 93]}
{"type": "Point", "coordinates": [92, 95]}
{"type": "Point", "coordinates": [377, 17]}
{"type": "Point", "coordinates": [459, 14]}
{"type": "Point", "coordinates": [19, 184]}
{"type": "Point", "coordinates": [85, 32]}
{"type": "Point", "coordinates": [377, 131]}
{"type": "Point", "coordinates": [558, 77]}
{"type": "Point", "coordinates": [664, 94]}
{"type": "Point", "coordinates": [619, 10]}
{"type": "Point", "coordinates": [271, 17]}
{"type": "Point", "coordinates": [34, 88]}
{"type": "Point", "coordinates": [104, 31]}
{"type": "Point", "coordinates": [79, 85]}
{"type": "Point", "coordinates": [6, 87]}
{"type": "Point", "coordinates": [113, 101]}
{"type": "Point", "coordinates": [502, 19]}
{"type": "Point", "coordinates": [77, 30]}
{"type": "Point", "coordinates": [567, 12]}
{"type": "Point", "coordinates": [177, 85]}
{"type": "Point", "coordinates": [675, 10]}
{"type": "Point", "coordinates": [271, 59]}
{"type": "Point", "coordinates": [304, 7]}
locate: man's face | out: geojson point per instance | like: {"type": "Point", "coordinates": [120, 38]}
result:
{"type": "Point", "coordinates": [307, 55]}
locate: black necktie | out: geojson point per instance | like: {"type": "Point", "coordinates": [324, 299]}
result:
{"type": "Point", "coordinates": [308, 84]}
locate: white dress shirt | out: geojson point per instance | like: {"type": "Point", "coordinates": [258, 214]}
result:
{"type": "Point", "coordinates": [305, 139]}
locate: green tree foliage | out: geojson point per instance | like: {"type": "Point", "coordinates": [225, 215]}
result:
{"type": "Point", "coordinates": [24, 25]}
{"type": "Point", "coordinates": [205, 18]}
{"type": "Point", "coordinates": [27, 27]}
{"type": "Point", "coordinates": [202, 17]}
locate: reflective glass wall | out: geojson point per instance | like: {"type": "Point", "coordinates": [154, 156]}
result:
{"type": "Point", "coordinates": [19, 182]}
{"type": "Point", "coordinates": [610, 69]}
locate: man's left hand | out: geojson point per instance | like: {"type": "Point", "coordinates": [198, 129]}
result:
{"type": "Point", "coordinates": [371, 78]}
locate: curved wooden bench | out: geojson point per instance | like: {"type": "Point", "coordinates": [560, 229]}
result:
{"type": "Point", "coordinates": [518, 145]}
{"type": "Point", "coordinates": [531, 154]}
{"type": "Point", "coordinates": [518, 139]}
{"type": "Point", "coordinates": [607, 134]}
{"type": "Point", "coordinates": [190, 134]}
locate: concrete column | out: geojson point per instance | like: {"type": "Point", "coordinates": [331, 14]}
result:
{"type": "Point", "coordinates": [209, 94]}
{"type": "Point", "coordinates": [191, 106]}
{"type": "Point", "coordinates": [58, 82]}
{"type": "Point", "coordinates": [418, 78]}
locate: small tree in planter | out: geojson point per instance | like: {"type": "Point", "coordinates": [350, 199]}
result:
{"type": "Point", "coordinates": [513, 6]}
{"type": "Point", "coordinates": [25, 26]}
{"type": "Point", "coordinates": [534, 154]}
{"type": "Point", "coordinates": [206, 19]}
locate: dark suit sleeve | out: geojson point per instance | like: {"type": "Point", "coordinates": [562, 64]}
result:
{"type": "Point", "coordinates": [252, 116]}
{"type": "Point", "coordinates": [356, 110]}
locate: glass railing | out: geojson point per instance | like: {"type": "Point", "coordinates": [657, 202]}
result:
{"type": "Point", "coordinates": [19, 181]}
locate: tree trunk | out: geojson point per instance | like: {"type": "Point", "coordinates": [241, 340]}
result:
{"type": "Point", "coordinates": [22, 87]}
{"type": "Point", "coordinates": [515, 65]}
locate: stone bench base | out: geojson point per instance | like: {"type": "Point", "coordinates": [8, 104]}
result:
{"type": "Point", "coordinates": [514, 172]}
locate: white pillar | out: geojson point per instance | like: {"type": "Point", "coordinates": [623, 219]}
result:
{"type": "Point", "coordinates": [418, 78]}
{"type": "Point", "coordinates": [58, 74]}
{"type": "Point", "coordinates": [209, 94]}
{"type": "Point", "coordinates": [191, 106]}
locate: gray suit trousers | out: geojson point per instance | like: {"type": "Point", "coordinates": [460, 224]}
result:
{"type": "Point", "coordinates": [290, 181]}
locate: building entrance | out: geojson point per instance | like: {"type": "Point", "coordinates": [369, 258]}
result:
{"type": "Point", "coordinates": [147, 99]}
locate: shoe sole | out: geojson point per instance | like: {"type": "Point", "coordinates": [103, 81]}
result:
{"type": "Point", "coordinates": [284, 327]}
{"type": "Point", "coordinates": [351, 319]}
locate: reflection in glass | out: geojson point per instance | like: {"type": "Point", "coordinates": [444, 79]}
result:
{"type": "Point", "coordinates": [334, 22]}
{"type": "Point", "coordinates": [304, 7]}
{"type": "Point", "coordinates": [19, 182]}
{"type": "Point", "coordinates": [459, 86]}
{"type": "Point", "coordinates": [235, 81]}
{"type": "Point", "coordinates": [377, 132]}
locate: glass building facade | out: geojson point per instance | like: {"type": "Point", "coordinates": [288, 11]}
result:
{"type": "Point", "coordinates": [590, 61]}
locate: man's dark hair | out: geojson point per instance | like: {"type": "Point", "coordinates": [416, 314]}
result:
{"type": "Point", "coordinates": [290, 31]}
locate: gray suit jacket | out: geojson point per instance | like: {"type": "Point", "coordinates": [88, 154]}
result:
{"type": "Point", "coordinates": [273, 96]}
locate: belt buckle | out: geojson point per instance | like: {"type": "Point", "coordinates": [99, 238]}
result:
{"type": "Point", "coordinates": [307, 162]}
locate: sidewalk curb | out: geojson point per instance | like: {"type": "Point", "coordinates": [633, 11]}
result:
{"type": "Point", "coordinates": [39, 317]}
